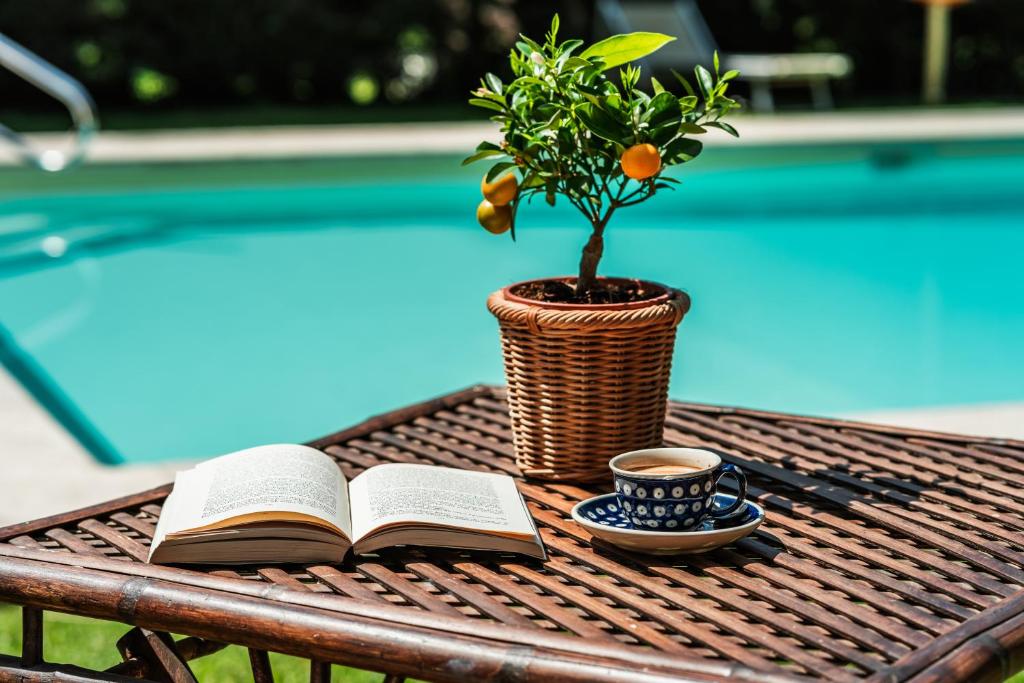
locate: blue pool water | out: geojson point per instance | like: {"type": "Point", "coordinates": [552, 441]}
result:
{"type": "Point", "coordinates": [199, 309]}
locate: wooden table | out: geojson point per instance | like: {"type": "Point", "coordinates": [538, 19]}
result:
{"type": "Point", "coordinates": [887, 555]}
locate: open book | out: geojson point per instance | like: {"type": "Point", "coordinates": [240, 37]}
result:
{"type": "Point", "coordinates": [289, 503]}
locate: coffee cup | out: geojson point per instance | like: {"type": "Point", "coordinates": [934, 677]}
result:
{"type": "Point", "coordinates": [673, 489]}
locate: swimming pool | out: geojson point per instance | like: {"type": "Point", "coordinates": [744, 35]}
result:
{"type": "Point", "coordinates": [197, 309]}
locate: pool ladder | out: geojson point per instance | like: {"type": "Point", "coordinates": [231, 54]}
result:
{"type": "Point", "coordinates": [62, 88]}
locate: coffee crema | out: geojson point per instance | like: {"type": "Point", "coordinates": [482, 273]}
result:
{"type": "Point", "coordinates": [666, 469]}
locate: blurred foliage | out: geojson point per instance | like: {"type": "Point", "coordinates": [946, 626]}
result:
{"type": "Point", "coordinates": [201, 53]}
{"type": "Point", "coordinates": [149, 56]}
{"type": "Point", "coordinates": [885, 38]}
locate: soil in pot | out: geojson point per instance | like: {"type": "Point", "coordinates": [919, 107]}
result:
{"type": "Point", "coordinates": [607, 291]}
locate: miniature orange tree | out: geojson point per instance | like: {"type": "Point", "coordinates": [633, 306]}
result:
{"type": "Point", "coordinates": [569, 129]}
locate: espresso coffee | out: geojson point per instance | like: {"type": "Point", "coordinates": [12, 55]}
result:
{"type": "Point", "coordinates": [666, 469]}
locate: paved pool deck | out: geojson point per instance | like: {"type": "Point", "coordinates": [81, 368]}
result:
{"type": "Point", "coordinates": [282, 142]}
{"type": "Point", "coordinates": [43, 470]}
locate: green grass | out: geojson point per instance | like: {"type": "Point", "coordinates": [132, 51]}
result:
{"type": "Point", "coordinates": [90, 643]}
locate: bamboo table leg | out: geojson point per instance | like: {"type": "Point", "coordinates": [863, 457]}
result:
{"type": "Point", "coordinates": [163, 661]}
{"type": "Point", "coordinates": [319, 672]}
{"type": "Point", "coordinates": [31, 636]}
{"type": "Point", "coordinates": [259, 660]}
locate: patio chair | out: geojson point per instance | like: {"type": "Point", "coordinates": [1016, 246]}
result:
{"type": "Point", "coordinates": [696, 45]}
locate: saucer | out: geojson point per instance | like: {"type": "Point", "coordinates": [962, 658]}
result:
{"type": "Point", "coordinates": [603, 517]}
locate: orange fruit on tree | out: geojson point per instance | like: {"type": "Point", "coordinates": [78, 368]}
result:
{"type": "Point", "coordinates": [501, 190]}
{"type": "Point", "coordinates": [641, 161]}
{"type": "Point", "coordinates": [495, 219]}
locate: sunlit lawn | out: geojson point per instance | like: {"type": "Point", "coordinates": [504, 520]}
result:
{"type": "Point", "coordinates": [90, 643]}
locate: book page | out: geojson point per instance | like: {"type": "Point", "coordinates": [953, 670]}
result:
{"type": "Point", "coordinates": [397, 493]}
{"type": "Point", "coordinates": [280, 481]}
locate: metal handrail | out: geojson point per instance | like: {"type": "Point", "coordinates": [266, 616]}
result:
{"type": "Point", "coordinates": [61, 87]}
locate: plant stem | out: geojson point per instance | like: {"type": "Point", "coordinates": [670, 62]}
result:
{"type": "Point", "coordinates": [588, 262]}
{"type": "Point", "coordinates": [594, 247]}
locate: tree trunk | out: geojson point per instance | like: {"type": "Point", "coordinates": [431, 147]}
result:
{"type": "Point", "coordinates": [588, 264]}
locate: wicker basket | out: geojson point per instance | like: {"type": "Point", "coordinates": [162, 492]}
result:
{"type": "Point", "coordinates": [585, 382]}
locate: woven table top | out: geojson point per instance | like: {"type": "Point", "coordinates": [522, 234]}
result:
{"type": "Point", "coordinates": [886, 554]}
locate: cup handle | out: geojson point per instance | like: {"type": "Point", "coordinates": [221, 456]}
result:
{"type": "Point", "coordinates": [741, 482]}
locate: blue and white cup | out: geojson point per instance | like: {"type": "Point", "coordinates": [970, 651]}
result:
{"type": "Point", "coordinates": [673, 489]}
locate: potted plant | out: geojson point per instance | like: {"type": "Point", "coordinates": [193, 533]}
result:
{"type": "Point", "coordinates": [587, 358]}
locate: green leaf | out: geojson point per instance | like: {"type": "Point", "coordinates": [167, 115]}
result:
{"type": "Point", "coordinates": [624, 48]}
{"type": "Point", "coordinates": [692, 128]}
{"type": "Point", "coordinates": [657, 86]}
{"type": "Point", "coordinates": [532, 180]}
{"type": "Point", "coordinates": [520, 103]}
{"type": "Point", "coordinates": [573, 63]}
{"type": "Point", "coordinates": [545, 110]}
{"type": "Point", "coordinates": [493, 82]}
{"type": "Point", "coordinates": [704, 80]}
{"type": "Point", "coordinates": [498, 168]}
{"type": "Point", "coordinates": [487, 95]}
{"type": "Point", "coordinates": [730, 74]}
{"type": "Point", "coordinates": [486, 104]}
{"type": "Point", "coordinates": [663, 118]}
{"type": "Point", "coordinates": [482, 155]}
{"type": "Point", "coordinates": [487, 145]}
{"type": "Point", "coordinates": [614, 103]}
{"type": "Point", "coordinates": [715, 61]}
{"type": "Point", "coordinates": [600, 123]}
{"type": "Point", "coordinates": [570, 46]}
{"type": "Point", "coordinates": [627, 77]}
{"type": "Point", "coordinates": [681, 150]}
{"type": "Point", "coordinates": [685, 83]}
{"type": "Point", "coordinates": [662, 107]}
{"type": "Point", "coordinates": [723, 126]}
{"type": "Point", "coordinates": [529, 43]}
{"type": "Point", "coordinates": [530, 80]}
{"type": "Point", "coordinates": [661, 134]}
{"type": "Point", "coordinates": [688, 103]}
{"type": "Point", "coordinates": [608, 87]}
